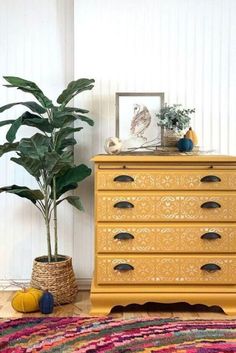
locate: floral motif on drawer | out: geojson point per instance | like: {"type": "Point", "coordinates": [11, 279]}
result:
{"type": "Point", "coordinates": [167, 207]}
{"type": "Point", "coordinates": [166, 180]}
{"type": "Point", "coordinates": [165, 238]}
{"type": "Point", "coordinates": [166, 270]}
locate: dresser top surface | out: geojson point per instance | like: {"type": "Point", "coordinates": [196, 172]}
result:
{"type": "Point", "coordinates": [155, 158]}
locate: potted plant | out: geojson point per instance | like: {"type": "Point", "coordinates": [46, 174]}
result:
{"type": "Point", "coordinates": [48, 157]}
{"type": "Point", "coordinates": [173, 119]}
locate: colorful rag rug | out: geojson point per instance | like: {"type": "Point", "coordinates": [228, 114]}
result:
{"type": "Point", "coordinates": [95, 335]}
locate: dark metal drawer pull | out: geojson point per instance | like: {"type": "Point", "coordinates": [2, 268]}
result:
{"type": "Point", "coordinates": [123, 267]}
{"type": "Point", "coordinates": [124, 178]}
{"type": "Point", "coordinates": [124, 204]}
{"type": "Point", "coordinates": [211, 236]}
{"type": "Point", "coordinates": [211, 267]}
{"type": "Point", "coordinates": [210, 179]}
{"type": "Point", "coordinates": [123, 236]}
{"type": "Point", "coordinates": [210, 204]}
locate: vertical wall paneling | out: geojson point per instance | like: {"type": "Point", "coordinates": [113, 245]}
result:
{"type": "Point", "coordinates": [185, 48]}
{"type": "Point", "coordinates": [36, 41]}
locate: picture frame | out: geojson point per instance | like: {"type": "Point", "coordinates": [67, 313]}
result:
{"type": "Point", "coordinates": [136, 121]}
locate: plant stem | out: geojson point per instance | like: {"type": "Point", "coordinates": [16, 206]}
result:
{"type": "Point", "coordinates": [55, 219]}
{"type": "Point", "coordinates": [47, 220]}
{"type": "Point", "coordinates": [47, 223]}
{"type": "Point", "coordinates": [40, 209]}
{"type": "Point", "coordinates": [45, 210]}
{"type": "Point", "coordinates": [54, 193]}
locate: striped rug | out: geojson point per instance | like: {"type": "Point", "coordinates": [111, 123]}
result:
{"type": "Point", "coordinates": [104, 334]}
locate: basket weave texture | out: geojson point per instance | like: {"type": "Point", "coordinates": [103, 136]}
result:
{"type": "Point", "coordinates": [170, 138]}
{"type": "Point", "coordinates": [57, 277]}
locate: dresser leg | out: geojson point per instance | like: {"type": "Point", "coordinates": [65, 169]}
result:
{"type": "Point", "coordinates": [229, 310]}
{"type": "Point", "coordinates": [100, 310]}
{"type": "Point", "coordinates": [99, 305]}
{"type": "Point", "coordinates": [102, 303]}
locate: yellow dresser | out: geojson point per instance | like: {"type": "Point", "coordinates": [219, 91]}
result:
{"type": "Point", "coordinates": [165, 230]}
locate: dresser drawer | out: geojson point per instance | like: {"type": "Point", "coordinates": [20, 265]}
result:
{"type": "Point", "coordinates": [166, 206]}
{"type": "Point", "coordinates": [166, 269]}
{"type": "Point", "coordinates": [163, 238]}
{"type": "Point", "coordinates": [166, 179]}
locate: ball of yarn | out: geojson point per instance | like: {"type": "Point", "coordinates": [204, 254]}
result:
{"type": "Point", "coordinates": [113, 145]}
{"type": "Point", "coordinates": [26, 300]}
{"type": "Point", "coordinates": [46, 303]}
{"type": "Point", "coordinates": [185, 144]}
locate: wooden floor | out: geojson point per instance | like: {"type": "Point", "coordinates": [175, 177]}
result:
{"type": "Point", "coordinates": [82, 307]}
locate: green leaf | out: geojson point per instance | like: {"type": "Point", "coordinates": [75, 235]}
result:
{"type": "Point", "coordinates": [76, 110]}
{"type": "Point", "coordinates": [28, 119]}
{"type": "Point", "coordinates": [73, 88]}
{"type": "Point", "coordinates": [55, 163]}
{"type": "Point", "coordinates": [61, 119]}
{"type": "Point", "coordinates": [66, 143]}
{"type": "Point", "coordinates": [35, 107]}
{"type": "Point", "coordinates": [11, 133]}
{"type": "Point", "coordinates": [31, 165]}
{"type": "Point", "coordinates": [74, 201]}
{"type": "Point", "coordinates": [37, 122]}
{"type": "Point", "coordinates": [34, 147]}
{"type": "Point", "coordinates": [46, 102]}
{"type": "Point", "coordinates": [63, 133]}
{"type": "Point", "coordinates": [20, 82]}
{"type": "Point", "coordinates": [85, 118]}
{"type": "Point", "coordinates": [65, 188]}
{"type": "Point", "coordinates": [23, 191]}
{"type": "Point", "coordinates": [6, 122]}
{"type": "Point", "coordinates": [73, 175]}
{"type": "Point", "coordinates": [29, 87]}
{"type": "Point", "coordinates": [50, 160]}
{"type": "Point", "coordinates": [8, 147]}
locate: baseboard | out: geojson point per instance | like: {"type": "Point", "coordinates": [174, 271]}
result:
{"type": "Point", "coordinates": [84, 283]}
{"type": "Point", "coordinates": [11, 284]}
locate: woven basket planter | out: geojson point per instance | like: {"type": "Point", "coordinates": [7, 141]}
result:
{"type": "Point", "coordinates": [57, 277]}
{"type": "Point", "coordinates": [170, 138]}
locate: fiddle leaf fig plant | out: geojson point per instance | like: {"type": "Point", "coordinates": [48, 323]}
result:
{"type": "Point", "coordinates": [47, 155]}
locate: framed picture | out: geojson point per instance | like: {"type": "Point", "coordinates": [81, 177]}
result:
{"type": "Point", "coordinates": [136, 121]}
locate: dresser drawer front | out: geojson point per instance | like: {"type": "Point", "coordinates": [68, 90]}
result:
{"type": "Point", "coordinates": [163, 238]}
{"type": "Point", "coordinates": [166, 270]}
{"type": "Point", "coordinates": [166, 206]}
{"type": "Point", "coordinates": [166, 180]}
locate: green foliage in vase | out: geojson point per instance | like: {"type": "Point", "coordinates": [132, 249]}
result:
{"type": "Point", "coordinates": [47, 155]}
{"type": "Point", "coordinates": [174, 117]}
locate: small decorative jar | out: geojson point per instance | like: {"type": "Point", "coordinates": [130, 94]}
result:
{"type": "Point", "coordinates": [169, 137]}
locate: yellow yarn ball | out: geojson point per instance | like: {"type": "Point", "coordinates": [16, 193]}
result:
{"type": "Point", "coordinates": [26, 300]}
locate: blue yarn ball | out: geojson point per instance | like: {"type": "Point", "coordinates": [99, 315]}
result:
{"type": "Point", "coordinates": [46, 303]}
{"type": "Point", "coordinates": [185, 145]}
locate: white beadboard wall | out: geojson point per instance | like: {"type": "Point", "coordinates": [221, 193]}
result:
{"type": "Point", "coordinates": [36, 42]}
{"type": "Point", "coordinates": [185, 48]}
